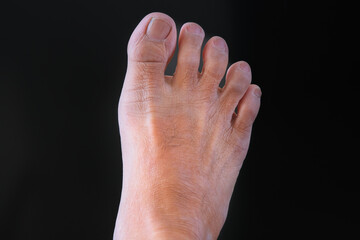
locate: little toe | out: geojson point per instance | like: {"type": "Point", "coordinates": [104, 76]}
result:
{"type": "Point", "coordinates": [215, 57]}
{"type": "Point", "coordinates": [151, 46]}
{"type": "Point", "coordinates": [248, 109]}
{"type": "Point", "coordinates": [190, 41]}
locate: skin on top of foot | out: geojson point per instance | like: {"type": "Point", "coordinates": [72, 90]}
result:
{"type": "Point", "coordinates": [182, 143]}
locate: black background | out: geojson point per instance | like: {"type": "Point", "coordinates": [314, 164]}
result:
{"type": "Point", "coordinates": [62, 64]}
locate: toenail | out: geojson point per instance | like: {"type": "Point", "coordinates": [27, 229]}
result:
{"type": "Point", "coordinates": [244, 67]}
{"type": "Point", "coordinates": [158, 29]}
{"type": "Point", "coordinates": [194, 29]}
{"type": "Point", "coordinates": [220, 44]}
{"type": "Point", "coordinates": [257, 92]}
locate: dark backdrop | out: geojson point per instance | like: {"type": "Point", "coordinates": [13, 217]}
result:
{"type": "Point", "coordinates": [62, 65]}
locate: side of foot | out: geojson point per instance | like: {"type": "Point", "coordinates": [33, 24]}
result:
{"type": "Point", "coordinates": [182, 143]}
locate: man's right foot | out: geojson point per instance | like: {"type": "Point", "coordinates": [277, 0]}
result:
{"type": "Point", "coordinates": [182, 143]}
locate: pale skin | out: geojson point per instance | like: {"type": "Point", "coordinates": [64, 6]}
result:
{"type": "Point", "coordinates": [182, 143]}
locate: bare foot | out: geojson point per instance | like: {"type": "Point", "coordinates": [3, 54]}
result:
{"type": "Point", "coordinates": [182, 143]}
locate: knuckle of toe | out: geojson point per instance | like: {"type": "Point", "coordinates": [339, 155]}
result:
{"type": "Point", "coordinates": [209, 83]}
{"type": "Point", "coordinates": [189, 73]}
{"type": "Point", "coordinates": [214, 73]}
{"type": "Point", "coordinates": [145, 52]}
{"type": "Point", "coordinates": [243, 129]}
{"type": "Point", "coordinates": [235, 141]}
{"type": "Point", "coordinates": [252, 114]}
{"type": "Point", "coordinates": [236, 89]}
{"type": "Point", "coordinates": [190, 61]}
{"type": "Point", "coordinates": [147, 71]}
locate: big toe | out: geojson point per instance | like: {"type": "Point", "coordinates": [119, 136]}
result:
{"type": "Point", "coordinates": [152, 44]}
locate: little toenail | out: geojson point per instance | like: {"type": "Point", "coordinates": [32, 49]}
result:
{"type": "Point", "coordinates": [220, 44]}
{"type": "Point", "coordinates": [244, 67]}
{"type": "Point", "coordinates": [158, 29]}
{"type": "Point", "coordinates": [257, 92]}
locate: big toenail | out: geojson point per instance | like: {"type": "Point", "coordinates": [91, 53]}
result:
{"type": "Point", "coordinates": [220, 44]}
{"type": "Point", "coordinates": [158, 29]}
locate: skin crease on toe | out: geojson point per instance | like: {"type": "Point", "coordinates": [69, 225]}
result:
{"type": "Point", "coordinates": [182, 144]}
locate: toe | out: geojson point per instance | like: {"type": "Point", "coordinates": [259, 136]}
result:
{"type": "Point", "coordinates": [238, 79]}
{"type": "Point", "coordinates": [215, 57]}
{"type": "Point", "coordinates": [152, 45]}
{"type": "Point", "coordinates": [190, 41]}
{"type": "Point", "coordinates": [248, 109]}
